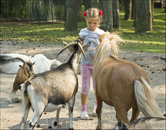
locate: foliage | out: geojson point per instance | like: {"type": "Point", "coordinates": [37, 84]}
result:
{"type": "Point", "coordinates": [154, 41]}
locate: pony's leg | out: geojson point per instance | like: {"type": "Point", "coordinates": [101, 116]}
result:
{"type": "Point", "coordinates": [70, 108]}
{"type": "Point", "coordinates": [25, 108]}
{"type": "Point", "coordinates": [98, 111]}
{"type": "Point", "coordinates": [135, 113]}
{"type": "Point", "coordinates": [121, 115]}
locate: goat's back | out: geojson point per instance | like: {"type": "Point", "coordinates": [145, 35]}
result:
{"type": "Point", "coordinates": [10, 65]}
{"type": "Point", "coordinates": [58, 83]}
{"type": "Point", "coordinates": [42, 63]}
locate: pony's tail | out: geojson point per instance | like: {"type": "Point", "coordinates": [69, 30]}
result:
{"type": "Point", "coordinates": [145, 99]}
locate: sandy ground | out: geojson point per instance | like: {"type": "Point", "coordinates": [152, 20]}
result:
{"type": "Point", "coordinates": [11, 114]}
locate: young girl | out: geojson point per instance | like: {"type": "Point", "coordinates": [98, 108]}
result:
{"type": "Point", "coordinates": [91, 34]}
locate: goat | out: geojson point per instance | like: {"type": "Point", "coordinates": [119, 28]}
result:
{"type": "Point", "coordinates": [48, 91]}
{"type": "Point", "coordinates": [25, 72]}
{"type": "Point", "coordinates": [144, 123]}
{"type": "Point", "coordinates": [10, 65]}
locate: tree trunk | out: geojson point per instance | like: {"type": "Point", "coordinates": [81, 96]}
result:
{"type": "Point", "coordinates": [71, 15]}
{"type": "Point", "coordinates": [95, 3]}
{"type": "Point", "coordinates": [165, 7]}
{"type": "Point", "coordinates": [152, 8]}
{"type": "Point", "coordinates": [128, 9]}
{"type": "Point", "coordinates": [140, 17]}
{"type": "Point", "coordinates": [116, 16]}
{"type": "Point", "coordinates": [87, 4]}
{"type": "Point", "coordinates": [148, 15]}
{"type": "Point", "coordinates": [134, 17]}
{"type": "Point", "coordinates": [107, 24]}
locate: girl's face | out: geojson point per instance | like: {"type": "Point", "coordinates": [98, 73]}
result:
{"type": "Point", "coordinates": [92, 24]}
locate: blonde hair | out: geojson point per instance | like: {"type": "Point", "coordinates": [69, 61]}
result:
{"type": "Point", "coordinates": [93, 13]}
{"type": "Point", "coordinates": [108, 47]}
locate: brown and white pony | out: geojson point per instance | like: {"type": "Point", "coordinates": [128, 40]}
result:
{"type": "Point", "coordinates": [121, 83]}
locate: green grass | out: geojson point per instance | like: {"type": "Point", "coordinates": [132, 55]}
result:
{"type": "Point", "coordinates": [154, 41]}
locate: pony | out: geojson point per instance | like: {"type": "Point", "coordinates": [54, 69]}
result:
{"type": "Point", "coordinates": [121, 83]}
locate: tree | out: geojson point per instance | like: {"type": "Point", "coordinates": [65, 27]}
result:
{"type": "Point", "coordinates": [107, 23]}
{"type": "Point", "coordinates": [116, 16]}
{"type": "Point", "coordinates": [128, 9]}
{"type": "Point", "coordinates": [95, 3]}
{"type": "Point", "coordinates": [133, 13]}
{"type": "Point", "coordinates": [165, 7]}
{"type": "Point", "coordinates": [71, 15]}
{"type": "Point", "coordinates": [148, 15]}
{"type": "Point", "coordinates": [152, 8]}
{"type": "Point", "coordinates": [87, 4]}
{"type": "Point", "coordinates": [140, 17]}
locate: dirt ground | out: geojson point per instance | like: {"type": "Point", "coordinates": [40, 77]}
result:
{"type": "Point", "coordinates": [11, 114]}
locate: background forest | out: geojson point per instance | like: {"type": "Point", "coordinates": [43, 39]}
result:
{"type": "Point", "coordinates": [140, 23]}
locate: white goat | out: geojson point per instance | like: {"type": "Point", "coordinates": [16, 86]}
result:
{"type": "Point", "coordinates": [10, 65]}
{"type": "Point", "coordinates": [144, 123]}
{"type": "Point", "coordinates": [46, 92]}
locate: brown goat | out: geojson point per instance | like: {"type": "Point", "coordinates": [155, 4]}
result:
{"type": "Point", "coordinates": [25, 72]}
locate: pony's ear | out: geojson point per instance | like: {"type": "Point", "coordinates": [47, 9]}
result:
{"type": "Point", "coordinates": [102, 36]}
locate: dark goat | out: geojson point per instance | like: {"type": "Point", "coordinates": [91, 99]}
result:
{"type": "Point", "coordinates": [48, 91]}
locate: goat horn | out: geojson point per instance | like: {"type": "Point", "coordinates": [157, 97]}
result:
{"type": "Point", "coordinates": [20, 59]}
{"type": "Point", "coordinates": [62, 50]}
{"type": "Point", "coordinates": [67, 45]}
{"type": "Point", "coordinates": [82, 50]}
{"type": "Point", "coordinates": [30, 58]}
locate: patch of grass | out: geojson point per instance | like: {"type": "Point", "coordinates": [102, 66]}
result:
{"type": "Point", "coordinates": [50, 33]}
{"type": "Point", "coordinates": [154, 41]}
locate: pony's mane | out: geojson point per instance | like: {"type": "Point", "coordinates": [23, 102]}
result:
{"type": "Point", "coordinates": [108, 46]}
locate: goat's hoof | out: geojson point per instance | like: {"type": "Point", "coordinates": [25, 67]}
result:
{"type": "Point", "coordinates": [55, 123]}
{"type": "Point", "coordinates": [71, 128]}
{"type": "Point", "coordinates": [98, 128]}
{"type": "Point", "coordinates": [15, 100]}
{"type": "Point", "coordinates": [49, 127]}
{"type": "Point", "coordinates": [38, 126]}
{"type": "Point", "coordinates": [63, 105]}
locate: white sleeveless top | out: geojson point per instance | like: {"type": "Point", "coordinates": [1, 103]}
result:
{"type": "Point", "coordinates": [90, 36]}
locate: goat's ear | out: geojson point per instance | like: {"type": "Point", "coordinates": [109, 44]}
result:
{"type": "Point", "coordinates": [20, 66]}
{"type": "Point", "coordinates": [86, 46]}
{"type": "Point", "coordinates": [33, 63]}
